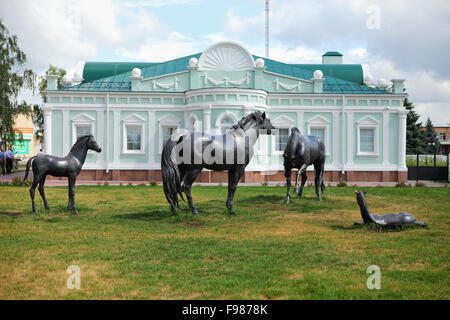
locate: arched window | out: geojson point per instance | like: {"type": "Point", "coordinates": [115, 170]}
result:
{"type": "Point", "coordinates": [225, 124]}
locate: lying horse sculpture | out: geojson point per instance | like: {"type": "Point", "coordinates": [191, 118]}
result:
{"type": "Point", "coordinates": [300, 152]}
{"type": "Point", "coordinates": [387, 220]}
{"type": "Point", "coordinates": [183, 159]}
{"type": "Point", "coordinates": [69, 166]}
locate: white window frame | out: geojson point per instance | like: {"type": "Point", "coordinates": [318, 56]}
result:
{"type": "Point", "coordinates": [132, 121]}
{"type": "Point", "coordinates": [281, 122]}
{"type": "Point", "coordinates": [367, 123]}
{"type": "Point", "coordinates": [168, 121]}
{"type": "Point", "coordinates": [226, 114]}
{"type": "Point", "coordinates": [81, 121]}
{"type": "Point", "coordinates": [319, 122]}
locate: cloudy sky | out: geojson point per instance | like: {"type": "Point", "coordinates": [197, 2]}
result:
{"type": "Point", "coordinates": [407, 39]}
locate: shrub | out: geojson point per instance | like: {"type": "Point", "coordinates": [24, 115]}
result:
{"type": "Point", "coordinates": [264, 184]}
{"type": "Point", "coordinates": [420, 184]}
{"type": "Point", "coordinates": [342, 183]}
{"type": "Point", "coordinates": [106, 183]}
{"type": "Point", "coordinates": [400, 184]}
{"type": "Point", "coordinates": [153, 183]}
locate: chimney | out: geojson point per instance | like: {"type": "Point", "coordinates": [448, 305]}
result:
{"type": "Point", "coordinates": [332, 57]}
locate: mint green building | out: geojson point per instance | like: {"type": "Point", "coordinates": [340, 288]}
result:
{"type": "Point", "coordinates": [132, 108]}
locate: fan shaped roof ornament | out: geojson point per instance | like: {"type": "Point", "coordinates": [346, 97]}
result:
{"type": "Point", "coordinates": [226, 56]}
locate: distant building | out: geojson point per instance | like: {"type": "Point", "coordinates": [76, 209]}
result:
{"type": "Point", "coordinates": [132, 108]}
{"type": "Point", "coordinates": [24, 148]}
{"type": "Point", "coordinates": [443, 133]}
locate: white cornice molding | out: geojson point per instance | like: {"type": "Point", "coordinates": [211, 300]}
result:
{"type": "Point", "coordinates": [164, 75]}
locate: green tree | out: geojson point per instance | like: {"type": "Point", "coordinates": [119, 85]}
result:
{"type": "Point", "coordinates": [415, 137]}
{"type": "Point", "coordinates": [13, 78]}
{"type": "Point", "coordinates": [431, 138]}
{"type": "Point", "coordinates": [38, 115]}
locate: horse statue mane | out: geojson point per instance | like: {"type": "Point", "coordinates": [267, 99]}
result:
{"type": "Point", "coordinates": [244, 120]}
{"type": "Point", "coordinates": [79, 140]}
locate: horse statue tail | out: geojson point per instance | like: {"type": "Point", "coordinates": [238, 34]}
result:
{"type": "Point", "coordinates": [28, 167]}
{"type": "Point", "coordinates": [171, 174]}
{"type": "Point", "coordinates": [288, 149]}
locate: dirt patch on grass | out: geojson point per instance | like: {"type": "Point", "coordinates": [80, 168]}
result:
{"type": "Point", "coordinates": [193, 224]}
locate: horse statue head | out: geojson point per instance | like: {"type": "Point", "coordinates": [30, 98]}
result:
{"type": "Point", "coordinates": [87, 140]}
{"type": "Point", "coordinates": [256, 119]}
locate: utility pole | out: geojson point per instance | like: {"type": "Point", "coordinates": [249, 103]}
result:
{"type": "Point", "coordinates": [267, 29]}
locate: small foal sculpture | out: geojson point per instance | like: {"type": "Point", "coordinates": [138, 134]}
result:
{"type": "Point", "coordinates": [300, 152]}
{"type": "Point", "coordinates": [389, 220]}
{"type": "Point", "coordinates": [69, 166]}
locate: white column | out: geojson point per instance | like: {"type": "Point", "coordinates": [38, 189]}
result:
{"type": "Point", "coordinates": [48, 131]}
{"type": "Point", "coordinates": [151, 138]}
{"type": "Point", "coordinates": [385, 137]}
{"type": "Point", "coordinates": [335, 140]}
{"type": "Point", "coordinates": [300, 121]}
{"type": "Point", "coordinates": [206, 120]}
{"type": "Point", "coordinates": [402, 141]}
{"type": "Point", "coordinates": [350, 138]}
{"type": "Point", "coordinates": [66, 133]}
{"type": "Point", "coordinates": [99, 135]}
{"type": "Point", "coordinates": [117, 129]}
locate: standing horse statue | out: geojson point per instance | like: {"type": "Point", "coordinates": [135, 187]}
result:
{"type": "Point", "coordinates": [69, 166]}
{"type": "Point", "coordinates": [390, 220]}
{"type": "Point", "coordinates": [300, 152]}
{"type": "Point", "coordinates": [183, 159]}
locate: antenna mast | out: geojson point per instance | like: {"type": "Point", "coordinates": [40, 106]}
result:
{"type": "Point", "coordinates": [267, 29]}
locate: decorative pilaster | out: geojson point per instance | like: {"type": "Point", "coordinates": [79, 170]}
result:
{"type": "Point", "coordinates": [151, 137]}
{"type": "Point", "coordinates": [349, 138]}
{"type": "Point", "coordinates": [385, 137]}
{"type": "Point", "coordinates": [99, 136]}
{"type": "Point", "coordinates": [335, 139]}
{"type": "Point", "coordinates": [402, 141]}
{"type": "Point", "coordinates": [66, 130]}
{"type": "Point", "coordinates": [47, 130]}
{"type": "Point", "coordinates": [300, 121]}
{"type": "Point", "coordinates": [207, 119]}
{"type": "Point", "coordinates": [116, 130]}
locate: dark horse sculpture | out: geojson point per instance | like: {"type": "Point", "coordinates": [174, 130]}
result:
{"type": "Point", "coordinates": [388, 220]}
{"type": "Point", "coordinates": [300, 152]}
{"type": "Point", "coordinates": [183, 159]}
{"type": "Point", "coordinates": [69, 166]}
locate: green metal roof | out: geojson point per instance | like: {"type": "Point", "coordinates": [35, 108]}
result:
{"type": "Point", "coordinates": [332, 53]}
{"type": "Point", "coordinates": [350, 72]}
{"type": "Point", "coordinates": [96, 70]}
{"type": "Point", "coordinates": [338, 78]}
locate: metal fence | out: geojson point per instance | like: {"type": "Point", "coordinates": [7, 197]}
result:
{"type": "Point", "coordinates": [428, 167]}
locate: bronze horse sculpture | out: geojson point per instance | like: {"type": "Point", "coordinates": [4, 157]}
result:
{"type": "Point", "coordinates": [300, 152]}
{"type": "Point", "coordinates": [184, 158]}
{"type": "Point", "coordinates": [390, 220]}
{"type": "Point", "coordinates": [69, 166]}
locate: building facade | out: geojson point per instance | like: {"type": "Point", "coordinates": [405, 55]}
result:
{"type": "Point", "coordinates": [132, 108]}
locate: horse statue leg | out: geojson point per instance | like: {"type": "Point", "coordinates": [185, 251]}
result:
{"type": "Point", "coordinates": [71, 205]}
{"type": "Point", "coordinates": [36, 180]}
{"type": "Point", "coordinates": [297, 175]}
{"type": "Point", "coordinates": [302, 171]}
{"type": "Point", "coordinates": [234, 176]}
{"type": "Point", "coordinates": [41, 191]}
{"type": "Point", "coordinates": [189, 179]}
{"type": "Point", "coordinates": [287, 174]}
{"type": "Point", "coordinates": [318, 168]}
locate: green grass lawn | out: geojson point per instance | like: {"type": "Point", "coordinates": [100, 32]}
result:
{"type": "Point", "coordinates": [129, 245]}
